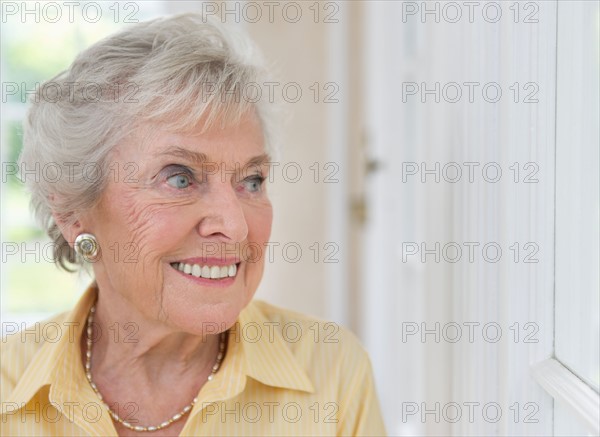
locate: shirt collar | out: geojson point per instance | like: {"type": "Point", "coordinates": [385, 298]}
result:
{"type": "Point", "coordinates": [268, 358]}
{"type": "Point", "coordinates": [264, 357]}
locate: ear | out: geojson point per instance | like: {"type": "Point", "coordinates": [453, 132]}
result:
{"type": "Point", "coordinates": [70, 227]}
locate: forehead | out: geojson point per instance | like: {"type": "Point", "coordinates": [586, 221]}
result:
{"type": "Point", "coordinates": [220, 141]}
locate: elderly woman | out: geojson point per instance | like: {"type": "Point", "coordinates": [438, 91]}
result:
{"type": "Point", "coordinates": [163, 163]}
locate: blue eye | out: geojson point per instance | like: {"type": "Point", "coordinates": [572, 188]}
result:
{"type": "Point", "coordinates": [254, 183]}
{"type": "Point", "coordinates": [179, 181]}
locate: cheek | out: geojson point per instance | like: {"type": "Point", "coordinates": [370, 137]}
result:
{"type": "Point", "coordinates": [259, 220]}
{"type": "Point", "coordinates": [142, 228]}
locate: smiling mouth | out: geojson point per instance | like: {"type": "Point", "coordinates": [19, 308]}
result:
{"type": "Point", "coordinates": [206, 271]}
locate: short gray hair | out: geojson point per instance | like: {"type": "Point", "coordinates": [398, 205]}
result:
{"type": "Point", "coordinates": [170, 71]}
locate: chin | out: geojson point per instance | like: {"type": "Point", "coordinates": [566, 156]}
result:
{"type": "Point", "coordinates": [198, 309]}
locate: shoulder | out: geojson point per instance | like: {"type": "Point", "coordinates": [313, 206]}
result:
{"type": "Point", "coordinates": [317, 345]}
{"type": "Point", "coordinates": [296, 327]}
{"type": "Point", "coordinates": [21, 345]}
{"type": "Point", "coordinates": [334, 360]}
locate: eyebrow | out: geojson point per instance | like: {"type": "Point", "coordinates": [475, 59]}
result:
{"type": "Point", "coordinates": [201, 158]}
{"type": "Point", "coordinates": [259, 160]}
{"type": "Point", "coordinates": [179, 152]}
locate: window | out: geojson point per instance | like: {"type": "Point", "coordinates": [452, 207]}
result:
{"type": "Point", "coordinates": [577, 195]}
{"type": "Point", "coordinates": [542, 374]}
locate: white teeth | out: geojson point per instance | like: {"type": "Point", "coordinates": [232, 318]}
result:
{"type": "Point", "coordinates": [196, 271]}
{"type": "Point", "coordinates": [212, 272]}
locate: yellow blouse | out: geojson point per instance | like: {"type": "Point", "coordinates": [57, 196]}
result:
{"type": "Point", "coordinates": [284, 374]}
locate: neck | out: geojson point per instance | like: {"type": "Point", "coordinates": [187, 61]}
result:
{"type": "Point", "coordinates": [128, 345]}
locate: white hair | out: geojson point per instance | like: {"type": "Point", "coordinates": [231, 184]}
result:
{"type": "Point", "coordinates": [170, 71]}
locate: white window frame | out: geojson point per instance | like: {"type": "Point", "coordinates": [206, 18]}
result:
{"type": "Point", "coordinates": [564, 385]}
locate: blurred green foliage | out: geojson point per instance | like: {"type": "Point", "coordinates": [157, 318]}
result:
{"type": "Point", "coordinates": [14, 141]}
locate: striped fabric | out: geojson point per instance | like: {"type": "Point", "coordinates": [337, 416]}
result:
{"type": "Point", "coordinates": [283, 374]}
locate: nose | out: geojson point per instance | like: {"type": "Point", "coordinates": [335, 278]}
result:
{"type": "Point", "coordinates": [223, 218]}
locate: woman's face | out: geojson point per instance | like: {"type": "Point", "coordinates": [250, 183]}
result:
{"type": "Point", "coordinates": [195, 202]}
